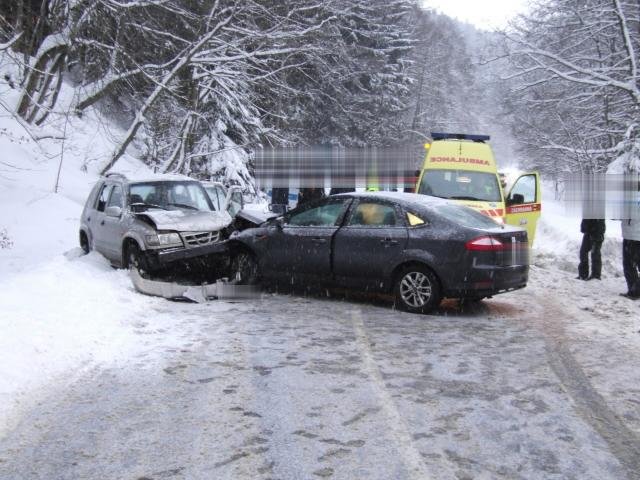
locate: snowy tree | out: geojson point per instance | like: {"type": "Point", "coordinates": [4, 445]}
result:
{"type": "Point", "coordinates": [577, 81]}
{"type": "Point", "coordinates": [352, 86]}
{"type": "Point", "coordinates": [444, 95]}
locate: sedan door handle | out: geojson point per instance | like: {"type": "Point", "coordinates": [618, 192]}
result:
{"type": "Point", "coordinates": [319, 240]}
{"type": "Point", "coordinates": [388, 241]}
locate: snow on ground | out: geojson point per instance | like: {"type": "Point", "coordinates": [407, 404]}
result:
{"type": "Point", "coordinates": [63, 314]}
{"type": "Point", "coordinates": [59, 312]}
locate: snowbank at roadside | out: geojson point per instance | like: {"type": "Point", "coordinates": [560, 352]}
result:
{"type": "Point", "coordinates": [59, 312]}
{"type": "Point", "coordinates": [558, 239]}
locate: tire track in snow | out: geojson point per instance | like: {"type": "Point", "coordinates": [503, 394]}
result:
{"type": "Point", "coordinates": [623, 443]}
{"type": "Point", "coordinates": [398, 428]}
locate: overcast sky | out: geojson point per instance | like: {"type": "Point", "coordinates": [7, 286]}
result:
{"type": "Point", "coordinates": [485, 14]}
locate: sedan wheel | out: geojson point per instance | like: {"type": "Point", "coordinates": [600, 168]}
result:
{"type": "Point", "coordinates": [417, 290]}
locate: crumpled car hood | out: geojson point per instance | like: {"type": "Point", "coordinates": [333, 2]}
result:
{"type": "Point", "coordinates": [188, 221]}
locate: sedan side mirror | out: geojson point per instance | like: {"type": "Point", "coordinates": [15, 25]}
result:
{"type": "Point", "coordinates": [277, 222]}
{"type": "Point", "coordinates": [113, 211]}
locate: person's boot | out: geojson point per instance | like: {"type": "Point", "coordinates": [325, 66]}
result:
{"type": "Point", "coordinates": [630, 296]}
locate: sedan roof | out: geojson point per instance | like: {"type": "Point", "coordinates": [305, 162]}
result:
{"type": "Point", "coordinates": [400, 197]}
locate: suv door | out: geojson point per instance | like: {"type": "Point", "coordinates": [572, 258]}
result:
{"type": "Point", "coordinates": [234, 201]}
{"type": "Point", "coordinates": [370, 243]}
{"type": "Point", "coordinates": [98, 220]}
{"type": "Point", "coordinates": [301, 244]}
{"type": "Point", "coordinates": [113, 228]}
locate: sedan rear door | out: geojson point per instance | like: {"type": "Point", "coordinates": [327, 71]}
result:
{"type": "Point", "coordinates": [370, 243]}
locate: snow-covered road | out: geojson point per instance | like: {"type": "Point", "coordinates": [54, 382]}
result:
{"type": "Point", "coordinates": [521, 386]}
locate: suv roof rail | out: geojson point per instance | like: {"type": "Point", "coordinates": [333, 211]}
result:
{"type": "Point", "coordinates": [116, 174]}
{"type": "Point", "coordinates": [459, 136]}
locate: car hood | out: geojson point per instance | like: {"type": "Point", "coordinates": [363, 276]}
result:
{"type": "Point", "coordinates": [187, 220]}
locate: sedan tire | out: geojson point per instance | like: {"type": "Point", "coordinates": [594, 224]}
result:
{"type": "Point", "coordinates": [417, 290]}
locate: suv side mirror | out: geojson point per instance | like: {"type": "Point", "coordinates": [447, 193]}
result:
{"type": "Point", "coordinates": [113, 211]}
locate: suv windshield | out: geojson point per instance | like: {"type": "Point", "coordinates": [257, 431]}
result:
{"type": "Point", "coordinates": [461, 185]}
{"type": "Point", "coordinates": [169, 196]}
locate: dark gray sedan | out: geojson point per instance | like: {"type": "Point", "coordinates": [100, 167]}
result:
{"type": "Point", "coordinates": [422, 248]}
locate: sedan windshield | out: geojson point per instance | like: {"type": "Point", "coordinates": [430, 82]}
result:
{"type": "Point", "coordinates": [461, 185]}
{"type": "Point", "coordinates": [169, 196]}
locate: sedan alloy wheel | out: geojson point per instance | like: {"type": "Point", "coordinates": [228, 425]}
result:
{"type": "Point", "coordinates": [417, 290]}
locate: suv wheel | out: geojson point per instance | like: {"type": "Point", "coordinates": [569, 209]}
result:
{"type": "Point", "coordinates": [84, 243]}
{"type": "Point", "coordinates": [417, 290]}
{"type": "Point", "coordinates": [136, 259]}
{"type": "Point", "coordinates": [244, 269]}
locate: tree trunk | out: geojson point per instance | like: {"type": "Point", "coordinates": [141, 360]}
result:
{"type": "Point", "coordinates": [37, 81]}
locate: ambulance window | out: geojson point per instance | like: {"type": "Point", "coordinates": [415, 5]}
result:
{"type": "Point", "coordinates": [524, 190]}
{"type": "Point", "coordinates": [461, 185]}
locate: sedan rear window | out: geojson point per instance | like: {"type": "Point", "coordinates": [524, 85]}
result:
{"type": "Point", "coordinates": [465, 216]}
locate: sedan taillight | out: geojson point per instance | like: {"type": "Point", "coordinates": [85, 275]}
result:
{"type": "Point", "coordinates": [485, 244]}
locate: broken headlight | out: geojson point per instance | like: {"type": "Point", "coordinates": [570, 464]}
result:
{"type": "Point", "coordinates": [164, 240]}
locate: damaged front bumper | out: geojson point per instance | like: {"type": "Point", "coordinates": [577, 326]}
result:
{"type": "Point", "coordinates": [180, 253]}
{"type": "Point", "coordinates": [220, 290]}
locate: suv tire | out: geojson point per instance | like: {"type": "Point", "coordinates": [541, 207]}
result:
{"type": "Point", "coordinates": [135, 258]}
{"type": "Point", "coordinates": [84, 243]}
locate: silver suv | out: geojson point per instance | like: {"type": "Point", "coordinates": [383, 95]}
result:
{"type": "Point", "coordinates": [149, 223]}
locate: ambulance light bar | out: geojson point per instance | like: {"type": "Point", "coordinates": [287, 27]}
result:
{"type": "Point", "coordinates": [459, 136]}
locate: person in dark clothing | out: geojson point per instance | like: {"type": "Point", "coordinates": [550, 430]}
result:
{"type": "Point", "coordinates": [593, 235]}
{"type": "Point", "coordinates": [307, 195]}
{"type": "Point", "coordinates": [279, 200]}
{"type": "Point", "coordinates": [631, 257]}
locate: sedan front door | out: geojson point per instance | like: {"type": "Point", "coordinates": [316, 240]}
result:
{"type": "Point", "coordinates": [301, 244]}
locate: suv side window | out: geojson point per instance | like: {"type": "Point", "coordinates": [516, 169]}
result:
{"type": "Point", "coordinates": [103, 197]}
{"type": "Point", "coordinates": [115, 199]}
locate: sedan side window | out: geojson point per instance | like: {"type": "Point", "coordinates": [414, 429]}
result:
{"type": "Point", "coordinates": [322, 215]}
{"type": "Point", "coordinates": [374, 215]}
{"type": "Point", "coordinates": [104, 196]}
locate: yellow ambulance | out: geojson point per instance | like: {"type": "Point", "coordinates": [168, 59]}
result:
{"type": "Point", "coordinates": [462, 167]}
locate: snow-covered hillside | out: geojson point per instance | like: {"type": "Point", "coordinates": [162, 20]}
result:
{"type": "Point", "coordinates": [59, 311]}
